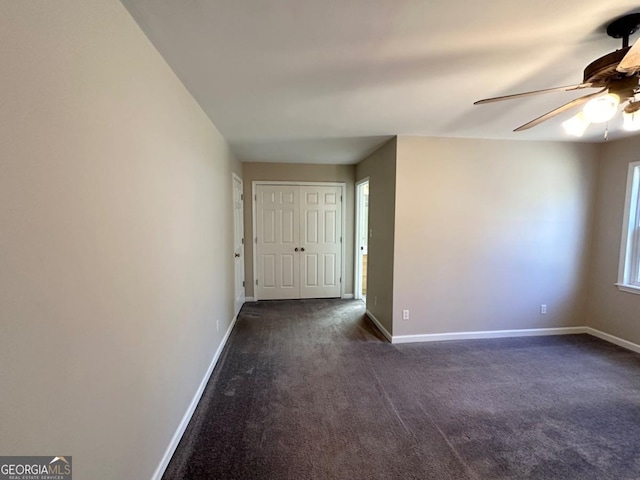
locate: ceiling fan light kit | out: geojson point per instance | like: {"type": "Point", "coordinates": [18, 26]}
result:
{"type": "Point", "coordinates": [616, 74]}
{"type": "Point", "coordinates": [602, 109]}
{"type": "Point", "coordinates": [631, 117]}
{"type": "Point", "coordinates": [576, 125]}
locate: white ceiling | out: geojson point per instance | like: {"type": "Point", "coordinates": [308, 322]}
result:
{"type": "Point", "coordinates": [327, 81]}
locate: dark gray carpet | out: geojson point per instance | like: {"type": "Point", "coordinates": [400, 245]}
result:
{"type": "Point", "coordinates": [309, 390]}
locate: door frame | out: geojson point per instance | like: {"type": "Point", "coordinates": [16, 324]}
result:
{"type": "Point", "coordinates": [357, 265]}
{"type": "Point", "coordinates": [343, 191]}
{"type": "Point", "coordinates": [234, 178]}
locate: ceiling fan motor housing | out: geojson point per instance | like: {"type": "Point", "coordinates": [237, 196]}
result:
{"type": "Point", "coordinates": [624, 87]}
{"type": "Point", "coordinates": [601, 71]}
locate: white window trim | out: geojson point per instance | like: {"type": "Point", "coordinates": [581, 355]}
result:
{"type": "Point", "coordinates": [630, 244]}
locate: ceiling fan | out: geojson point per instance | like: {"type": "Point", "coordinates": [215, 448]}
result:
{"type": "Point", "coordinates": [615, 74]}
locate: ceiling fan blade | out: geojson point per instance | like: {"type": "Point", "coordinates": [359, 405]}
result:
{"type": "Point", "coordinates": [630, 63]}
{"type": "Point", "coordinates": [559, 110]}
{"type": "Point", "coordinates": [535, 92]}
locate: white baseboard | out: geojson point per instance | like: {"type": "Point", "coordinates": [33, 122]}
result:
{"type": "Point", "coordinates": [439, 337]}
{"type": "Point", "coordinates": [379, 326]}
{"type": "Point", "coordinates": [249, 299]}
{"type": "Point", "coordinates": [634, 347]}
{"type": "Point", "coordinates": [347, 296]}
{"type": "Point", "coordinates": [157, 475]}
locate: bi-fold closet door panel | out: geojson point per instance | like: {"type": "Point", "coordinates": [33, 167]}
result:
{"type": "Point", "coordinates": [320, 240]}
{"type": "Point", "coordinates": [299, 236]}
{"type": "Point", "coordinates": [278, 235]}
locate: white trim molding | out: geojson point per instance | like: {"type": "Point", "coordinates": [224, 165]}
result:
{"type": "Point", "coordinates": [357, 265]}
{"type": "Point", "coordinates": [177, 436]}
{"type": "Point", "coordinates": [634, 347]}
{"type": "Point", "coordinates": [347, 296]}
{"type": "Point", "coordinates": [439, 337]}
{"type": "Point", "coordinates": [531, 332]}
{"type": "Point", "coordinates": [379, 326]}
{"type": "Point", "coordinates": [628, 288]}
{"type": "Point", "coordinates": [249, 299]}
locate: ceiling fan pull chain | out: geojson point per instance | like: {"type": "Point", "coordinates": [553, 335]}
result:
{"type": "Point", "coordinates": [606, 132]}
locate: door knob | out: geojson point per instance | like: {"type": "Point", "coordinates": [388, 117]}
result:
{"type": "Point", "coordinates": [302, 249]}
{"type": "Point", "coordinates": [237, 255]}
{"type": "Point", "coordinates": [296, 249]}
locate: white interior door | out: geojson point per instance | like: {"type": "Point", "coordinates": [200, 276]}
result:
{"type": "Point", "coordinates": [320, 241]}
{"type": "Point", "coordinates": [238, 242]}
{"type": "Point", "coordinates": [277, 242]}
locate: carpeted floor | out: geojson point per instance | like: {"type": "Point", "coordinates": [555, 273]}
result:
{"type": "Point", "coordinates": [310, 390]}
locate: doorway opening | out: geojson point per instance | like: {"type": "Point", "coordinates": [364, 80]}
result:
{"type": "Point", "coordinates": [362, 238]}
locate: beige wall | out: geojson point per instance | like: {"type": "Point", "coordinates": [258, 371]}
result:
{"type": "Point", "coordinates": [611, 310]}
{"type": "Point", "coordinates": [487, 231]}
{"type": "Point", "coordinates": [116, 263]}
{"type": "Point", "coordinates": [294, 172]}
{"type": "Point", "coordinates": [380, 167]}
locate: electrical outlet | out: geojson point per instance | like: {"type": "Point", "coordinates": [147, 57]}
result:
{"type": "Point", "coordinates": [217, 325]}
{"type": "Point", "coordinates": [543, 309]}
{"type": "Point", "coordinates": [405, 314]}
{"type": "Point", "coordinates": [375, 300]}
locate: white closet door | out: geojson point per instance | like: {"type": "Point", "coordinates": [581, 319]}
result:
{"type": "Point", "coordinates": [320, 242]}
{"type": "Point", "coordinates": [278, 234]}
